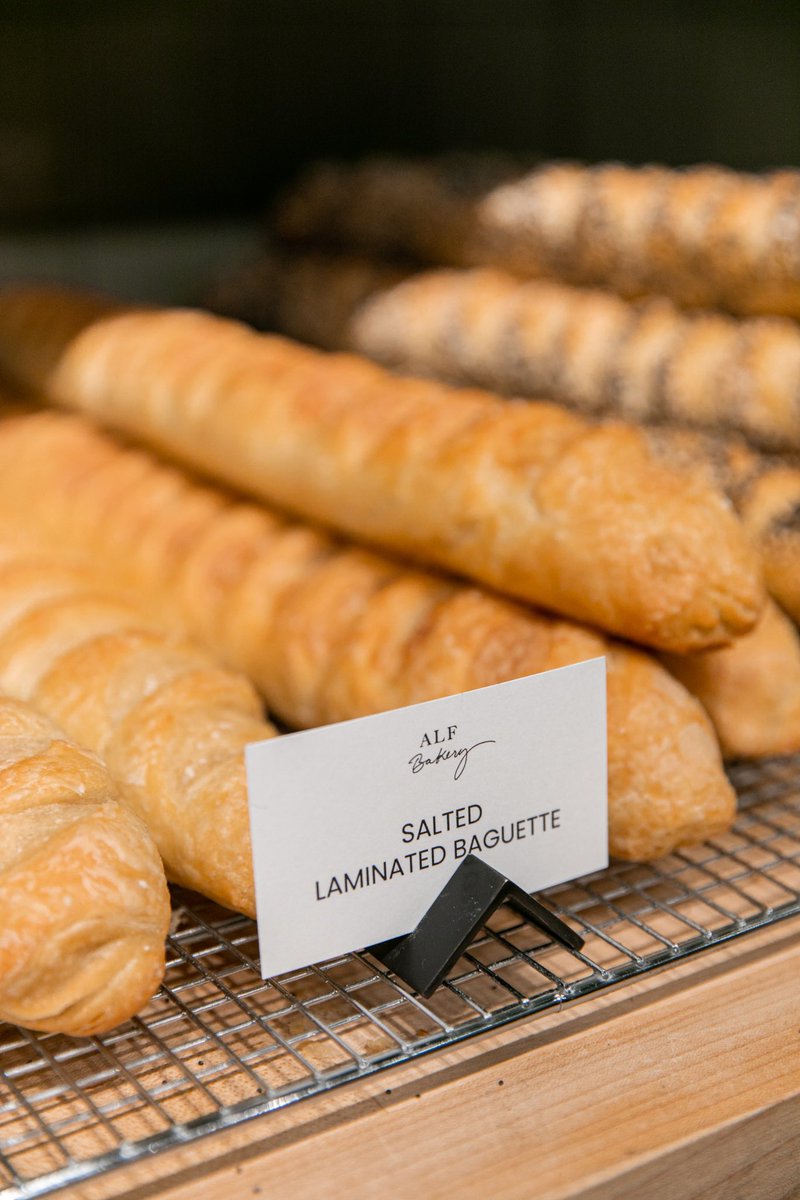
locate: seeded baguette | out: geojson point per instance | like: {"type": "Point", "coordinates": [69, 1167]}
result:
{"type": "Point", "coordinates": [329, 631]}
{"type": "Point", "coordinates": [169, 724]}
{"type": "Point", "coordinates": [526, 498]}
{"type": "Point", "coordinates": [703, 235]}
{"type": "Point", "coordinates": [604, 356]}
{"type": "Point", "coordinates": [83, 899]}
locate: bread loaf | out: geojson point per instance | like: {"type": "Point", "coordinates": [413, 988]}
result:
{"type": "Point", "coordinates": [169, 724]}
{"type": "Point", "coordinates": [330, 632]}
{"type": "Point", "coordinates": [527, 498]}
{"type": "Point", "coordinates": [84, 907]}
{"type": "Point", "coordinates": [588, 349]}
{"type": "Point", "coordinates": [750, 689]}
{"type": "Point", "coordinates": [703, 235]}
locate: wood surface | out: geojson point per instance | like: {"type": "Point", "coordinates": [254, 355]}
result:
{"type": "Point", "coordinates": [684, 1084]}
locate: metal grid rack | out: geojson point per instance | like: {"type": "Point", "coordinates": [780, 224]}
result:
{"type": "Point", "coordinates": [219, 1045]}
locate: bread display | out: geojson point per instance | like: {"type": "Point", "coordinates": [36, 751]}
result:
{"type": "Point", "coordinates": [84, 907]}
{"type": "Point", "coordinates": [329, 631]}
{"type": "Point", "coordinates": [168, 723]}
{"type": "Point", "coordinates": [703, 236]}
{"type": "Point", "coordinates": [526, 498]}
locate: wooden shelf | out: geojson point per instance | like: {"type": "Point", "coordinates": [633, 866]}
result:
{"type": "Point", "coordinates": [684, 1084]}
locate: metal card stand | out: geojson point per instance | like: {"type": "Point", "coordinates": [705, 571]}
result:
{"type": "Point", "coordinates": [423, 957]}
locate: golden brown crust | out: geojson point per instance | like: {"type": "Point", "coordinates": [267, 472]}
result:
{"type": "Point", "coordinates": [83, 898]}
{"type": "Point", "coordinates": [170, 725]}
{"type": "Point", "coordinates": [703, 235]}
{"type": "Point", "coordinates": [750, 689]}
{"type": "Point", "coordinates": [764, 490]}
{"type": "Point", "coordinates": [331, 632]}
{"type": "Point", "coordinates": [526, 498]}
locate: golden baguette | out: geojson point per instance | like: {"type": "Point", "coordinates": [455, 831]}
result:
{"type": "Point", "coordinates": [482, 327]}
{"type": "Point", "coordinates": [527, 498]}
{"type": "Point", "coordinates": [330, 632]}
{"type": "Point", "coordinates": [704, 236]}
{"type": "Point", "coordinates": [750, 689]}
{"type": "Point", "coordinates": [84, 907]}
{"type": "Point", "coordinates": [170, 725]}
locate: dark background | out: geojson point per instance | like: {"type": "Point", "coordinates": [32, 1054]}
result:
{"type": "Point", "coordinates": [163, 109]}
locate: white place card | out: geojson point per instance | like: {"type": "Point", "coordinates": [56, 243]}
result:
{"type": "Point", "coordinates": [356, 827]}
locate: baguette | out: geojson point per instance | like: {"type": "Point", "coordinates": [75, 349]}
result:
{"type": "Point", "coordinates": [751, 689]}
{"type": "Point", "coordinates": [528, 498]}
{"type": "Point", "coordinates": [170, 725]}
{"type": "Point", "coordinates": [483, 327]}
{"type": "Point", "coordinates": [83, 900]}
{"type": "Point", "coordinates": [330, 632]}
{"type": "Point", "coordinates": [704, 236]}
{"type": "Point", "coordinates": [765, 491]}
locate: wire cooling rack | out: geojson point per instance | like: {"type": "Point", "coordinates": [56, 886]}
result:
{"type": "Point", "coordinates": [219, 1045]}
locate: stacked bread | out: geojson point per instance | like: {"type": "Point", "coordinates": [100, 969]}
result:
{"type": "Point", "coordinates": [452, 492]}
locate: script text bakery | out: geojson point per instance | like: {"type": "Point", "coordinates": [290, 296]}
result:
{"type": "Point", "coordinates": [458, 755]}
{"type": "Point", "coordinates": [371, 874]}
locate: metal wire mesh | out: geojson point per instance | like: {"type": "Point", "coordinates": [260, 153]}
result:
{"type": "Point", "coordinates": [218, 1044]}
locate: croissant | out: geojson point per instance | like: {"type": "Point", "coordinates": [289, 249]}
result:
{"type": "Point", "coordinates": [528, 498]}
{"type": "Point", "coordinates": [84, 907]}
{"type": "Point", "coordinates": [703, 235]}
{"type": "Point", "coordinates": [329, 631]}
{"type": "Point", "coordinates": [169, 724]}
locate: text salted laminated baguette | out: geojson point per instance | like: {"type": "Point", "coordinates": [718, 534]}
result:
{"type": "Point", "coordinates": [527, 498]}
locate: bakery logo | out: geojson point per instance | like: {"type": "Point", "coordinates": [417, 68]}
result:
{"type": "Point", "coordinates": [445, 752]}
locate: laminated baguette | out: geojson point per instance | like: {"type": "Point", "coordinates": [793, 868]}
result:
{"type": "Point", "coordinates": [170, 725]}
{"type": "Point", "coordinates": [84, 907]}
{"type": "Point", "coordinates": [330, 632]}
{"type": "Point", "coordinates": [526, 498]}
